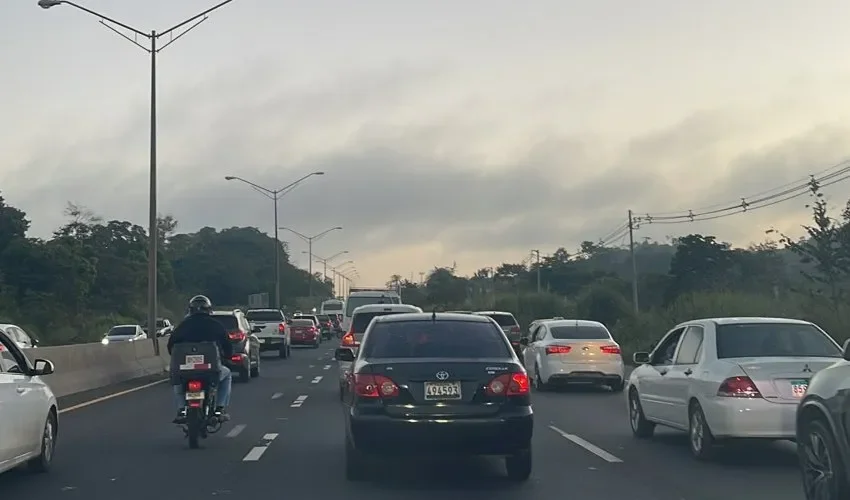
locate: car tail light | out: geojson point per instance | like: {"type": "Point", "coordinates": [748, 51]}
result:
{"type": "Point", "coordinates": [281, 327]}
{"type": "Point", "coordinates": [508, 384]}
{"type": "Point", "coordinates": [238, 335]}
{"type": "Point", "coordinates": [515, 329]}
{"type": "Point", "coordinates": [610, 349]}
{"type": "Point", "coordinates": [738, 387]}
{"type": "Point", "coordinates": [312, 329]}
{"type": "Point", "coordinates": [374, 386]}
{"type": "Point", "coordinates": [195, 386]}
{"type": "Point", "coordinates": [558, 349]}
{"type": "Point", "coordinates": [236, 358]}
{"type": "Point", "coordinates": [348, 340]}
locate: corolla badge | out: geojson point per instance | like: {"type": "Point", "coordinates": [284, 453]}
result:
{"type": "Point", "coordinates": [442, 375]}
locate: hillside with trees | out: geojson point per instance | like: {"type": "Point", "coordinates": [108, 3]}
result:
{"type": "Point", "coordinates": [92, 273]}
{"type": "Point", "coordinates": [693, 276]}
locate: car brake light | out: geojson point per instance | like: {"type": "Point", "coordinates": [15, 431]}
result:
{"type": "Point", "coordinates": [558, 349]}
{"type": "Point", "coordinates": [515, 329]}
{"type": "Point", "coordinates": [281, 327]}
{"type": "Point", "coordinates": [348, 340]}
{"type": "Point", "coordinates": [508, 384]}
{"type": "Point", "coordinates": [738, 387]}
{"type": "Point", "coordinates": [610, 349]}
{"type": "Point", "coordinates": [236, 358]}
{"type": "Point", "coordinates": [374, 386]}
{"type": "Point", "coordinates": [312, 329]}
{"type": "Point", "coordinates": [195, 386]}
{"type": "Point", "coordinates": [238, 335]}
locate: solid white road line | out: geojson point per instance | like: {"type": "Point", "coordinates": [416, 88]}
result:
{"type": "Point", "coordinates": [599, 452]}
{"type": "Point", "coordinates": [110, 396]}
{"type": "Point", "coordinates": [257, 451]}
{"type": "Point", "coordinates": [317, 380]}
{"type": "Point", "coordinates": [327, 367]}
{"type": "Point", "coordinates": [236, 430]}
{"type": "Point", "coordinates": [298, 401]}
{"type": "Point", "coordinates": [277, 395]}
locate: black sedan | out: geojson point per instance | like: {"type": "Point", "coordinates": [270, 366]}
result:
{"type": "Point", "coordinates": [436, 383]}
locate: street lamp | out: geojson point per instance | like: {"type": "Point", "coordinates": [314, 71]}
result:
{"type": "Point", "coordinates": [310, 240]}
{"type": "Point", "coordinates": [335, 272]}
{"type": "Point", "coordinates": [340, 271]}
{"type": "Point", "coordinates": [329, 259]}
{"type": "Point", "coordinates": [153, 37]}
{"type": "Point", "coordinates": [274, 195]}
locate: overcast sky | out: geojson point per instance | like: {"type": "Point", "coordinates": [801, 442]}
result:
{"type": "Point", "coordinates": [465, 131]}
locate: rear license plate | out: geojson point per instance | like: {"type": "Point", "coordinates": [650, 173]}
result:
{"type": "Point", "coordinates": [195, 359]}
{"type": "Point", "coordinates": [194, 396]}
{"type": "Point", "coordinates": [799, 388]}
{"type": "Point", "coordinates": [442, 390]}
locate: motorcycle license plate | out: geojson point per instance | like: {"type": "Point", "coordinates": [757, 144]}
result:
{"type": "Point", "coordinates": [194, 362]}
{"type": "Point", "coordinates": [194, 396]}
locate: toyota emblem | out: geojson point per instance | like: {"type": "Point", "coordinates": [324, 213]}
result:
{"type": "Point", "coordinates": [443, 375]}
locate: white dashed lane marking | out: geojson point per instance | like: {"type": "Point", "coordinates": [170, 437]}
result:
{"type": "Point", "coordinates": [317, 380]}
{"type": "Point", "coordinates": [327, 367]}
{"type": "Point", "coordinates": [299, 377]}
{"type": "Point", "coordinates": [257, 451]}
{"type": "Point", "coordinates": [277, 395]}
{"type": "Point", "coordinates": [599, 452]}
{"type": "Point", "coordinates": [235, 431]}
{"type": "Point", "coordinates": [298, 401]}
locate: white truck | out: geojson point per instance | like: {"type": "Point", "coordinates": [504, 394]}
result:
{"type": "Point", "coordinates": [360, 296]}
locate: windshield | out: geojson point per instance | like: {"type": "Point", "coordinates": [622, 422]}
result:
{"type": "Point", "coordinates": [356, 301]}
{"type": "Point", "coordinates": [435, 339]}
{"type": "Point", "coordinates": [119, 331]}
{"type": "Point", "coordinates": [581, 332]}
{"type": "Point", "coordinates": [756, 340]}
{"type": "Point", "coordinates": [229, 321]}
{"type": "Point", "coordinates": [332, 306]}
{"type": "Point", "coordinates": [504, 320]}
{"type": "Point", "coordinates": [361, 320]}
{"type": "Point", "coordinates": [324, 318]}
{"type": "Point", "coordinates": [264, 316]}
{"type": "Point", "coordinates": [301, 323]}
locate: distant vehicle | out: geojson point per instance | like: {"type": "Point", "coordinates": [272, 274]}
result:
{"type": "Point", "coordinates": [362, 316]}
{"type": "Point", "coordinates": [508, 323]}
{"type": "Point", "coordinates": [728, 378]}
{"type": "Point", "coordinates": [23, 339]}
{"type": "Point", "coordinates": [326, 325]}
{"type": "Point", "coordinates": [363, 296]}
{"type": "Point", "coordinates": [332, 306]}
{"type": "Point", "coordinates": [245, 361]}
{"type": "Point", "coordinates": [163, 327]}
{"type": "Point", "coordinates": [29, 418]}
{"type": "Point", "coordinates": [305, 332]}
{"type": "Point", "coordinates": [566, 351]}
{"type": "Point", "coordinates": [271, 329]}
{"type": "Point", "coordinates": [124, 333]}
{"type": "Point", "coordinates": [436, 383]}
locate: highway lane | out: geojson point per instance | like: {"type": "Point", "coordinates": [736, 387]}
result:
{"type": "Point", "coordinates": [286, 437]}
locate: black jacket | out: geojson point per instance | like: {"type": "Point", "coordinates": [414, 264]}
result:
{"type": "Point", "coordinates": [201, 328]}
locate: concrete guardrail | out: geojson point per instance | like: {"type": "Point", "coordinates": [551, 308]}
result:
{"type": "Point", "coordinates": [84, 367]}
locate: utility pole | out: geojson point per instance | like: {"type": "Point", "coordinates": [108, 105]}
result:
{"type": "Point", "coordinates": [634, 262]}
{"type": "Point", "coordinates": [537, 253]}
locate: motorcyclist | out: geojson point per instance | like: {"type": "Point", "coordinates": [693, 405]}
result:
{"type": "Point", "coordinates": [198, 326]}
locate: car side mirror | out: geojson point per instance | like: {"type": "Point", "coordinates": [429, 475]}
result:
{"type": "Point", "coordinates": [344, 354]}
{"type": "Point", "coordinates": [846, 352]}
{"type": "Point", "coordinates": [34, 341]}
{"type": "Point", "coordinates": [43, 367]}
{"type": "Point", "coordinates": [641, 358]}
{"type": "Point", "coordinates": [289, 322]}
{"type": "Point", "coordinates": [256, 329]}
{"type": "Point", "coordinates": [524, 341]}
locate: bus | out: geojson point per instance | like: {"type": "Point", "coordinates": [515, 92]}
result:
{"type": "Point", "coordinates": [332, 306]}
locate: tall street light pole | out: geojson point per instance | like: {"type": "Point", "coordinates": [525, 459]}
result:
{"type": "Point", "coordinates": [153, 36]}
{"type": "Point", "coordinates": [310, 240]}
{"type": "Point", "coordinates": [274, 195]}
{"type": "Point", "coordinates": [338, 275]}
{"type": "Point", "coordinates": [324, 262]}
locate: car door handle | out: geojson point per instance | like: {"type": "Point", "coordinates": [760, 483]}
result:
{"type": "Point", "coordinates": [662, 372]}
{"type": "Point", "coordinates": [21, 390]}
{"type": "Point", "coordinates": [688, 371]}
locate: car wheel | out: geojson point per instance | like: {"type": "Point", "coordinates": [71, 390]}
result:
{"type": "Point", "coordinates": [244, 375]}
{"type": "Point", "coordinates": [538, 383]}
{"type": "Point", "coordinates": [44, 460]}
{"type": "Point", "coordinates": [700, 438]}
{"type": "Point", "coordinates": [518, 466]}
{"type": "Point", "coordinates": [255, 371]}
{"type": "Point", "coordinates": [618, 386]}
{"type": "Point", "coordinates": [283, 351]}
{"type": "Point", "coordinates": [355, 468]}
{"type": "Point", "coordinates": [316, 345]}
{"type": "Point", "coordinates": [824, 474]}
{"type": "Point", "coordinates": [641, 427]}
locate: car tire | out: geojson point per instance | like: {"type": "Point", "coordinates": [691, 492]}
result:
{"type": "Point", "coordinates": [518, 466]}
{"type": "Point", "coordinates": [641, 427]}
{"type": "Point", "coordinates": [618, 386]}
{"type": "Point", "coordinates": [44, 460]}
{"type": "Point", "coordinates": [700, 439]}
{"type": "Point", "coordinates": [244, 375]}
{"type": "Point", "coordinates": [539, 386]}
{"type": "Point", "coordinates": [255, 371]}
{"type": "Point", "coordinates": [355, 466]}
{"type": "Point", "coordinates": [317, 344]}
{"type": "Point", "coordinates": [817, 449]}
{"type": "Point", "coordinates": [283, 351]}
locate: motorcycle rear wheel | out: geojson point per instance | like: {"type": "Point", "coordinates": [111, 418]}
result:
{"type": "Point", "coordinates": [194, 425]}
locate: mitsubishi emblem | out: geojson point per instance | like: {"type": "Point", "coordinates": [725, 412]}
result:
{"type": "Point", "coordinates": [442, 375]}
{"type": "Point", "coordinates": [807, 369]}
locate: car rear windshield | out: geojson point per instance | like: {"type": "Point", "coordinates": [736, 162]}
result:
{"type": "Point", "coordinates": [324, 317]}
{"type": "Point", "coordinates": [118, 331]}
{"type": "Point", "coordinates": [356, 301]}
{"type": "Point", "coordinates": [579, 332]}
{"type": "Point", "coordinates": [362, 320]}
{"type": "Point", "coordinates": [332, 306]}
{"type": "Point", "coordinates": [758, 340]}
{"type": "Point", "coordinates": [228, 320]}
{"type": "Point", "coordinates": [503, 319]}
{"type": "Point", "coordinates": [264, 316]}
{"type": "Point", "coordinates": [435, 339]}
{"type": "Point", "coordinates": [302, 323]}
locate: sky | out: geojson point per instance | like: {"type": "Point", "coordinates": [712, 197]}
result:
{"type": "Point", "coordinates": [450, 132]}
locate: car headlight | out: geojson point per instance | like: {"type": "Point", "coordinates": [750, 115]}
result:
{"type": "Point", "coordinates": [104, 341]}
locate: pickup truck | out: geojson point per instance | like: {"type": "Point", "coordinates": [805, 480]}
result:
{"type": "Point", "coordinates": [272, 329]}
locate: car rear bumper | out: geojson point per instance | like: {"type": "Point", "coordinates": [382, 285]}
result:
{"type": "Point", "coordinates": [583, 373]}
{"type": "Point", "coordinates": [750, 418]}
{"type": "Point", "coordinates": [499, 435]}
{"type": "Point", "coordinates": [271, 342]}
{"type": "Point", "coordinates": [304, 340]}
{"type": "Point", "coordinates": [241, 364]}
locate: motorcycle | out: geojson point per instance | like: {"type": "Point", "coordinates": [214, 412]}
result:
{"type": "Point", "coordinates": [199, 376]}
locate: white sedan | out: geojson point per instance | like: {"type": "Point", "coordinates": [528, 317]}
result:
{"type": "Point", "coordinates": [565, 351]}
{"type": "Point", "coordinates": [28, 410]}
{"type": "Point", "coordinates": [727, 378]}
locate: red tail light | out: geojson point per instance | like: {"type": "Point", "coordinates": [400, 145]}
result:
{"type": "Point", "coordinates": [515, 329]}
{"type": "Point", "coordinates": [195, 386]}
{"type": "Point", "coordinates": [236, 358]}
{"type": "Point", "coordinates": [558, 349]}
{"type": "Point", "coordinates": [374, 386]}
{"type": "Point", "coordinates": [610, 349]}
{"type": "Point", "coordinates": [312, 329]}
{"type": "Point", "coordinates": [738, 387]}
{"type": "Point", "coordinates": [348, 340]}
{"type": "Point", "coordinates": [509, 384]}
{"type": "Point", "coordinates": [238, 335]}
{"type": "Point", "coordinates": [281, 327]}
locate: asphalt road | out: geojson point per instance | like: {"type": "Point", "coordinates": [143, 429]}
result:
{"type": "Point", "coordinates": [127, 448]}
